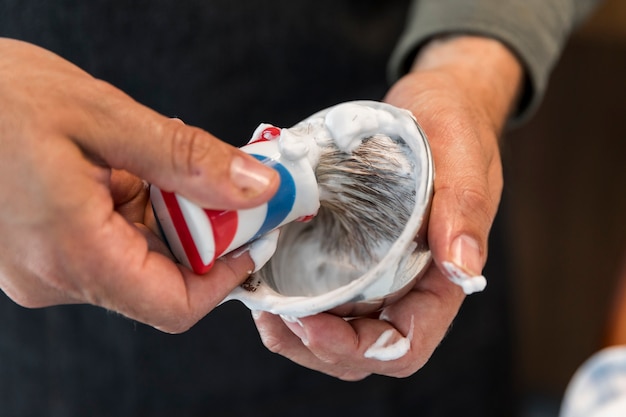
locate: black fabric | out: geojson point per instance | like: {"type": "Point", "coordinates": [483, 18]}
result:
{"type": "Point", "coordinates": [226, 66]}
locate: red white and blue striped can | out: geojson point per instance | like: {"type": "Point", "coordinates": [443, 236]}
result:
{"type": "Point", "coordinates": [198, 236]}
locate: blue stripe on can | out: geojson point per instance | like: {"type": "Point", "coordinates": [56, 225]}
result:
{"type": "Point", "coordinates": [279, 207]}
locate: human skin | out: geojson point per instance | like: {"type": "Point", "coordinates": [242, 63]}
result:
{"type": "Point", "coordinates": [74, 214]}
{"type": "Point", "coordinates": [461, 90]}
{"type": "Point", "coordinates": [79, 230]}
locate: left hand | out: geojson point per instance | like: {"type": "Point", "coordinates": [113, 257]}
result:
{"type": "Point", "coordinates": [461, 91]}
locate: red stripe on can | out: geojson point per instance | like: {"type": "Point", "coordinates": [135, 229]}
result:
{"type": "Point", "coordinates": [178, 219]}
{"type": "Point", "coordinates": [224, 224]}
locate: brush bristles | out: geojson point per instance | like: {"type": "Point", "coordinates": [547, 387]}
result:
{"type": "Point", "coordinates": [366, 197]}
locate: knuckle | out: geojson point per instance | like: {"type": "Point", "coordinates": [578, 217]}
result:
{"type": "Point", "coordinates": [112, 96]}
{"type": "Point", "coordinates": [406, 371]}
{"type": "Point", "coordinates": [352, 375]}
{"type": "Point", "coordinates": [179, 316]}
{"type": "Point", "coordinates": [25, 300]}
{"type": "Point", "coordinates": [329, 359]}
{"type": "Point", "coordinates": [103, 87]}
{"type": "Point", "coordinates": [476, 199]}
{"type": "Point", "coordinates": [106, 87]}
{"type": "Point", "coordinates": [28, 289]}
{"type": "Point", "coordinates": [325, 354]}
{"type": "Point", "coordinates": [177, 326]}
{"type": "Point", "coordinates": [93, 296]}
{"type": "Point", "coordinates": [189, 149]}
{"type": "Point", "coordinates": [173, 317]}
{"type": "Point", "coordinates": [272, 343]}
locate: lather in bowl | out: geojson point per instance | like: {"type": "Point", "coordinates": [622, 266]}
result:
{"type": "Point", "coordinates": [322, 266]}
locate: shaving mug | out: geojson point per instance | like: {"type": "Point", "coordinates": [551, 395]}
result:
{"type": "Point", "coordinates": [358, 255]}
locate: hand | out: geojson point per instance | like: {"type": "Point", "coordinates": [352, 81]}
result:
{"type": "Point", "coordinates": [75, 216]}
{"type": "Point", "coordinates": [460, 90]}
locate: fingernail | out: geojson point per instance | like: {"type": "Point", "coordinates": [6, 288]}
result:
{"type": "Point", "coordinates": [466, 265]}
{"type": "Point", "coordinates": [466, 254]}
{"type": "Point", "coordinates": [469, 283]}
{"type": "Point", "coordinates": [251, 176]}
{"type": "Point", "coordinates": [295, 325]}
{"type": "Point", "coordinates": [256, 314]}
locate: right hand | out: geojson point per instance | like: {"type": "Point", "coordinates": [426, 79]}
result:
{"type": "Point", "coordinates": [75, 217]}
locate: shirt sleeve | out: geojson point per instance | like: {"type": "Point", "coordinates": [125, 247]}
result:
{"type": "Point", "coordinates": [535, 30]}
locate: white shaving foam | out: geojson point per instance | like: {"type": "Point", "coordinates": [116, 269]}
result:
{"type": "Point", "coordinates": [469, 283]}
{"type": "Point", "coordinates": [298, 142]}
{"type": "Point", "coordinates": [291, 319]}
{"type": "Point", "coordinates": [262, 249]}
{"type": "Point", "coordinates": [381, 351]}
{"type": "Point", "coordinates": [351, 123]}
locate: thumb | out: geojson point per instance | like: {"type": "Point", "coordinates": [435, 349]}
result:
{"type": "Point", "coordinates": [458, 229]}
{"type": "Point", "coordinates": [174, 156]}
{"type": "Point", "coordinates": [463, 210]}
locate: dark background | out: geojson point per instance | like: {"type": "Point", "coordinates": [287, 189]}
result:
{"type": "Point", "coordinates": [566, 187]}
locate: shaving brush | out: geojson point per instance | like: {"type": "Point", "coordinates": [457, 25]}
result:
{"type": "Point", "coordinates": [366, 196]}
{"type": "Point", "coordinates": [355, 192]}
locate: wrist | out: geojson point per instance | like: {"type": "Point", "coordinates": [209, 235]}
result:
{"type": "Point", "coordinates": [485, 69]}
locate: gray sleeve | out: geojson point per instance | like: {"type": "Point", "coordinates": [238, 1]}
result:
{"type": "Point", "coordinates": [535, 30]}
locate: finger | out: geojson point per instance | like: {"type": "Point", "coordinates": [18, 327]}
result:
{"type": "Point", "coordinates": [29, 291]}
{"type": "Point", "coordinates": [358, 345]}
{"type": "Point", "coordinates": [398, 344]}
{"type": "Point", "coordinates": [293, 344]}
{"type": "Point", "coordinates": [349, 350]}
{"type": "Point", "coordinates": [147, 286]}
{"type": "Point", "coordinates": [432, 305]}
{"type": "Point", "coordinates": [169, 153]}
{"type": "Point", "coordinates": [467, 193]}
{"type": "Point", "coordinates": [468, 180]}
{"type": "Point", "coordinates": [130, 195]}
